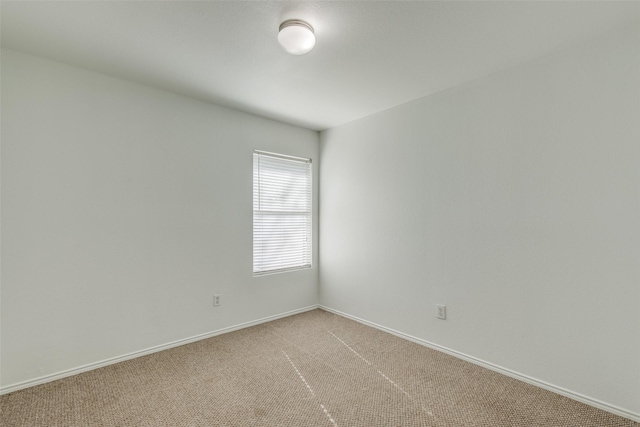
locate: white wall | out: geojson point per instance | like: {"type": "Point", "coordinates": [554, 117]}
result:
{"type": "Point", "coordinates": [515, 201]}
{"type": "Point", "coordinates": [123, 209]}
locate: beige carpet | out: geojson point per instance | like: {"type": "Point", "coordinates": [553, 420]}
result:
{"type": "Point", "coordinates": [312, 369]}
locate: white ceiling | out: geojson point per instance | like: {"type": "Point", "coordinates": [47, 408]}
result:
{"type": "Point", "coordinates": [369, 56]}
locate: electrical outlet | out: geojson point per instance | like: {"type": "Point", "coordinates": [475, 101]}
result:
{"type": "Point", "coordinates": [441, 311]}
{"type": "Point", "coordinates": [216, 300]}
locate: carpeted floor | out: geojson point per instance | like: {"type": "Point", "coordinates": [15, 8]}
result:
{"type": "Point", "coordinates": [312, 369]}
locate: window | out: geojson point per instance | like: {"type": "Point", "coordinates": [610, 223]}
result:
{"type": "Point", "coordinates": [281, 213]}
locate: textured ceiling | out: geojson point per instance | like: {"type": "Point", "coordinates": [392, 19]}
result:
{"type": "Point", "coordinates": [369, 56]}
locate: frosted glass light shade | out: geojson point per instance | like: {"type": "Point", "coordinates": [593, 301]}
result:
{"type": "Point", "coordinates": [296, 37]}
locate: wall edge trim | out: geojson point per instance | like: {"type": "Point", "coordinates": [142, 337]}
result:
{"type": "Point", "coordinates": [117, 359]}
{"type": "Point", "coordinates": [496, 368]}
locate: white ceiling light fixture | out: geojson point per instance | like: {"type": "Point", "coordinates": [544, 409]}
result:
{"type": "Point", "coordinates": [296, 36]}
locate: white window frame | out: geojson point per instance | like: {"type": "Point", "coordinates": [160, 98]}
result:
{"type": "Point", "coordinates": [282, 213]}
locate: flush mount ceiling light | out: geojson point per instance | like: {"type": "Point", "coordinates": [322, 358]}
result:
{"type": "Point", "coordinates": [296, 36]}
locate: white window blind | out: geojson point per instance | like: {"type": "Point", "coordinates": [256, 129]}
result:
{"type": "Point", "coordinates": [281, 213]}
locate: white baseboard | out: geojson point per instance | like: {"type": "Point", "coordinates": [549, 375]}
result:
{"type": "Point", "coordinates": [525, 378]}
{"type": "Point", "coordinates": [74, 371]}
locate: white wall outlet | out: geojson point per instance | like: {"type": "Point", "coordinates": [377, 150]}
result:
{"type": "Point", "coordinates": [441, 311]}
{"type": "Point", "coordinates": [216, 300]}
